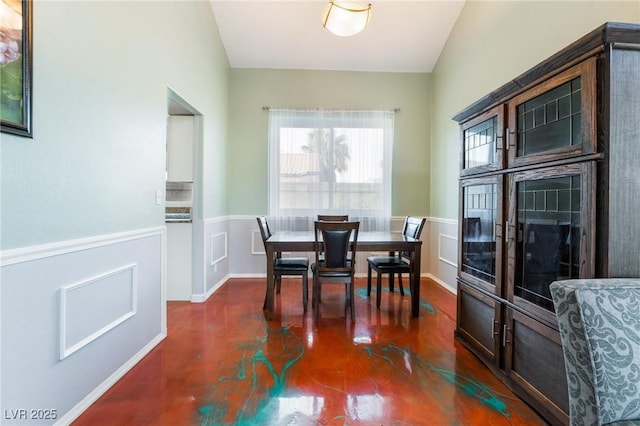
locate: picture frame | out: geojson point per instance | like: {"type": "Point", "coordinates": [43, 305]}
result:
{"type": "Point", "coordinates": [16, 67]}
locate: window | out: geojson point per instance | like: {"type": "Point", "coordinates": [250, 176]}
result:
{"type": "Point", "coordinates": [330, 162]}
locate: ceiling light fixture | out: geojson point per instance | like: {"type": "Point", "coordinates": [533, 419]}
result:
{"type": "Point", "coordinates": [346, 17]}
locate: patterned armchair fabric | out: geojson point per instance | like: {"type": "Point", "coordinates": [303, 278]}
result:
{"type": "Point", "coordinates": [599, 323]}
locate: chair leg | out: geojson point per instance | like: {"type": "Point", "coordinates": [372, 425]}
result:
{"type": "Point", "coordinates": [278, 283]}
{"type": "Point", "coordinates": [305, 291]}
{"type": "Point", "coordinates": [369, 281]}
{"type": "Point", "coordinates": [264, 305]}
{"type": "Point", "coordinates": [391, 282]}
{"type": "Point", "coordinates": [352, 305]}
{"type": "Point", "coordinates": [400, 283]}
{"type": "Point", "coordinates": [379, 292]}
{"type": "Point", "coordinates": [314, 296]}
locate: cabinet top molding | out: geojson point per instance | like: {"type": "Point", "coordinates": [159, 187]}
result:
{"type": "Point", "coordinates": [593, 42]}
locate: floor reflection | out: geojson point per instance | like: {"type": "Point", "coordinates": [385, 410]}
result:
{"type": "Point", "coordinates": [223, 364]}
{"type": "Point", "coordinates": [372, 368]}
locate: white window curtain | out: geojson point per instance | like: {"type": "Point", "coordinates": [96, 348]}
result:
{"type": "Point", "coordinates": [330, 162]}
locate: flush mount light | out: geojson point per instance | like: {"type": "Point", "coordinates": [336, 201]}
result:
{"type": "Point", "coordinates": [346, 17]}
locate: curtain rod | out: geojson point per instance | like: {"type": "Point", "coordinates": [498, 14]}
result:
{"type": "Point", "coordinates": [267, 108]}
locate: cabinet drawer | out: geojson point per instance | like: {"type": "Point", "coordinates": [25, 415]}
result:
{"type": "Point", "coordinates": [478, 319]}
{"type": "Point", "coordinates": [535, 362]}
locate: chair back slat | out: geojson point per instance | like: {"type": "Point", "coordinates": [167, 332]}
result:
{"type": "Point", "coordinates": [412, 228]}
{"type": "Point", "coordinates": [263, 225]}
{"type": "Point", "coordinates": [336, 246]}
{"type": "Point", "coordinates": [333, 217]}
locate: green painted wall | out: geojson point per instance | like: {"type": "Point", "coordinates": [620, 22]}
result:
{"type": "Point", "coordinates": [99, 106]}
{"type": "Point", "coordinates": [251, 89]}
{"type": "Point", "coordinates": [97, 157]}
{"type": "Point", "coordinates": [491, 43]}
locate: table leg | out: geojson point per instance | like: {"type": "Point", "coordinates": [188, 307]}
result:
{"type": "Point", "coordinates": [415, 282]}
{"type": "Point", "coordinates": [268, 299]}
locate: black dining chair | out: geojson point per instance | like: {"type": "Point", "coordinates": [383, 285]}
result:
{"type": "Point", "coordinates": [394, 263]}
{"type": "Point", "coordinates": [334, 243]}
{"type": "Point", "coordinates": [285, 265]}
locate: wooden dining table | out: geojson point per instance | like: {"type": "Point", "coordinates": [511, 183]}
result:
{"type": "Point", "coordinates": [290, 241]}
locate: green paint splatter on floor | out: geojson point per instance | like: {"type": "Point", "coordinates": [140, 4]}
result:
{"type": "Point", "coordinates": [278, 352]}
{"type": "Point", "coordinates": [417, 368]}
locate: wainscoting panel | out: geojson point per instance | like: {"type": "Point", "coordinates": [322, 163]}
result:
{"type": "Point", "coordinates": [257, 246]}
{"type": "Point", "coordinates": [91, 308]}
{"type": "Point", "coordinates": [447, 249]}
{"type": "Point", "coordinates": [76, 316]}
{"type": "Point", "coordinates": [442, 261]}
{"type": "Point", "coordinates": [217, 254]}
{"type": "Point", "coordinates": [218, 247]}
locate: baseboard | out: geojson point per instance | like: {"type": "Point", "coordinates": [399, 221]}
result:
{"type": "Point", "coordinates": [430, 276]}
{"type": "Point", "coordinates": [76, 411]}
{"type": "Point", "coordinates": [442, 283]}
{"type": "Point", "coordinates": [201, 298]}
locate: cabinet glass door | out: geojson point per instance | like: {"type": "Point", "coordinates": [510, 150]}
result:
{"type": "Point", "coordinates": [480, 233]}
{"type": "Point", "coordinates": [482, 142]}
{"type": "Point", "coordinates": [555, 119]}
{"type": "Point", "coordinates": [550, 213]}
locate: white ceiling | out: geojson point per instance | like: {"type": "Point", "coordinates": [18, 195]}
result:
{"type": "Point", "coordinates": [402, 36]}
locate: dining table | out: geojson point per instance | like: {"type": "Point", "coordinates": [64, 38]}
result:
{"type": "Point", "coordinates": [368, 241]}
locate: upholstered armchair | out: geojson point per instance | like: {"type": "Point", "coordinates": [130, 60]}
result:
{"type": "Point", "coordinates": [599, 323]}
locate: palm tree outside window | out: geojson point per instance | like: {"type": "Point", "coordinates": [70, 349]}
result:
{"type": "Point", "coordinates": [330, 162]}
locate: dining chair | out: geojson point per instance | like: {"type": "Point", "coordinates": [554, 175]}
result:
{"type": "Point", "coordinates": [394, 263]}
{"type": "Point", "coordinates": [334, 242]}
{"type": "Point", "coordinates": [285, 265]}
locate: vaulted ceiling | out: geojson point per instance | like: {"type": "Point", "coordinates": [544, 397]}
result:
{"type": "Point", "coordinates": [402, 36]}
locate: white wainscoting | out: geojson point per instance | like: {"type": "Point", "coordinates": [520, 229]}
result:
{"type": "Point", "coordinates": [439, 250]}
{"type": "Point", "coordinates": [76, 316]}
{"type": "Point", "coordinates": [95, 306]}
{"type": "Point", "coordinates": [442, 262]}
{"type": "Point", "coordinates": [218, 244]}
{"type": "Point", "coordinates": [234, 249]}
{"type": "Point", "coordinates": [216, 257]}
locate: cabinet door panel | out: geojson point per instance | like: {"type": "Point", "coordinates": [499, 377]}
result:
{"type": "Point", "coordinates": [478, 322]}
{"type": "Point", "coordinates": [551, 218]}
{"type": "Point", "coordinates": [482, 142]}
{"type": "Point", "coordinates": [555, 119]}
{"type": "Point", "coordinates": [535, 362]}
{"type": "Point", "coordinates": [480, 250]}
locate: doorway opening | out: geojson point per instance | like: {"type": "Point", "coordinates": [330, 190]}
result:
{"type": "Point", "coordinates": [183, 207]}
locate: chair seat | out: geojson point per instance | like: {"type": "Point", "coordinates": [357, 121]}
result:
{"type": "Point", "coordinates": [291, 263]}
{"type": "Point", "coordinates": [289, 266]}
{"type": "Point", "coordinates": [386, 265]}
{"type": "Point", "coordinates": [388, 262]}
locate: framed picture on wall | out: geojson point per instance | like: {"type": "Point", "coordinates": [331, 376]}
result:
{"type": "Point", "coordinates": [15, 67]}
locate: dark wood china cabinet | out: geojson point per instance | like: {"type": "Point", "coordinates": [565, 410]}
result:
{"type": "Point", "coordinates": [549, 190]}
